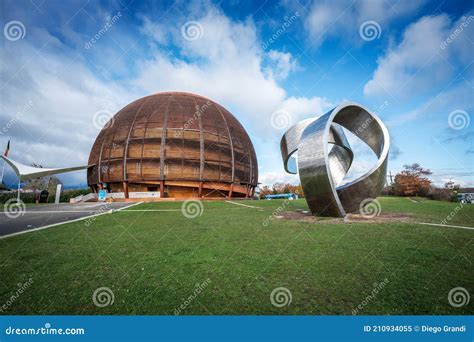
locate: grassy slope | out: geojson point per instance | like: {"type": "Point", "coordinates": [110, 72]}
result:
{"type": "Point", "coordinates": [153, 260]}
{"type": "Point", "coordinates": [431, 211]}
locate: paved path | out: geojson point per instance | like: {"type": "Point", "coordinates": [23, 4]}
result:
{"type": "Point", "coordinates": [38, 216]}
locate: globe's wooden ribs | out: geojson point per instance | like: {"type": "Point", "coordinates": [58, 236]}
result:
{"type": "Point", "coordinates": [182, 144]}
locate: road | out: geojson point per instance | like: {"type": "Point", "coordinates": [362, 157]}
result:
{"type": "Point", "coordinates": [33, 217]}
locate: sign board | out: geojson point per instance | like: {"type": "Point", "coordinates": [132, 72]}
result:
{"type": "Point", "coordinates": [147, 194]}
{"type": "Point", "coordinates": [44, 196]}
{"type": "Point", "coordinates": [102, 195]}
{"type": "Point", "coordinates": [58, 193]}
{"type": "Point", "coordinates": [116, 195]}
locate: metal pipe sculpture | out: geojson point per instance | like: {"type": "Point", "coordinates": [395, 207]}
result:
{"type": "Point", "coordinates": [325, 156]}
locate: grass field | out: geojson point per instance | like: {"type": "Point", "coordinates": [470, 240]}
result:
{"type": "Point", "coordinates": [231, 258]}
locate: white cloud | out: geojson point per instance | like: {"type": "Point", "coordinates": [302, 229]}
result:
{"type": "Point", "coordinates": [283, 64]}
{"type": "Point", "coordinates": [226, 64]}
{"type": "Point", "coordinates": [303, 107]}
{"type": "Point", "coordinates": [251, 93]}
{"type": "Point", "coordinates": [270, 178]}
{"type": "Point", "coordinates": [155, 30]}
{"type": "Point", "coordinates": [48, 104]}
{"type": "Point", "coordinates": [440, 181]}
{"type": "Point", "coordinates": [420, 62]}
{"type": "Point", "coordinates": [341, 19]}
{"type": "Point", "coordinates": [456, 97]}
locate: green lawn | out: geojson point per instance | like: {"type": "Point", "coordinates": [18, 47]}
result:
{"type": "Point", "coordinates": [153, 261]}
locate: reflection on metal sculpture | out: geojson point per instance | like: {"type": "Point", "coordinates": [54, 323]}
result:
{"type": "Point", "coordinates": [325, 156]}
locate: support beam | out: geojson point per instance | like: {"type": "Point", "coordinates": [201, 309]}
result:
{"type": "Point", "coordinates": [163, 144]}
{"type": "Point", "coordinates": [230, 142]}
{"type": "Point", "coordinates": [18, 198]}
{"type": "Point", "coordinates": [230, 190]}
{"type": "Point", "coordinates": [129, 134]}
{"type": "Point", "coordinates": [200, 190]}
{"type": "Point", "coordinates": [125, 189]}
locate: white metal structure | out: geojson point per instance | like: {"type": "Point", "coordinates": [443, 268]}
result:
{"type": "Point", "coordinates": [26, 172]}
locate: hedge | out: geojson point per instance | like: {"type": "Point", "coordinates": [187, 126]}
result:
{"type": "Point", "coordinates": [29, 197]}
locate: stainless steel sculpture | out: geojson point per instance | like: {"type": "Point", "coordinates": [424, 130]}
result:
{"type": "Point", "coordinates": [325, 156]}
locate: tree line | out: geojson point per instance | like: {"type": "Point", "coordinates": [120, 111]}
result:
{"type": "Point", "coordinates": [413, 180]}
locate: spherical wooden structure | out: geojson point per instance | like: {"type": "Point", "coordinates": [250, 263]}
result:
{"type": "Point", "coordinates": [180, 144]}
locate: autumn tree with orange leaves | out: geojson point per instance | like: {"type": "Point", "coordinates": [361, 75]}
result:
{"type": "Point", "coordinates": [412, 181]}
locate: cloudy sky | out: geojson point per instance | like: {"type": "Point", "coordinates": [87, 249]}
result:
{"type": "Point", "coordinates": [66, 63]}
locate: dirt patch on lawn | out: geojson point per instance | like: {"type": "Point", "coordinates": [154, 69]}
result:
{"type": "Point", "coordinates": [306, 216]}
{"type": "Point", "coordinates": [383, 217]}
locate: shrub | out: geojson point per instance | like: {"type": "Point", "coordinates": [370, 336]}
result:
{"type": "Point", "coordinates": [25, 197]}
{"type": "Point", "coordinates": [439, 194]}
{"type": "Point", "coordinates": [30, 197]}
{"type": "Point", "coordinates": [68, 194]}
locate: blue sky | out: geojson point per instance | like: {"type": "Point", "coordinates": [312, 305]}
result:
{"type": "Point", "coordinates": [66, 63]}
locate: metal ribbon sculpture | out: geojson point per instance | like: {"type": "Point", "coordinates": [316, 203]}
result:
{"type": "Point", "coordinates": [325, 156]}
